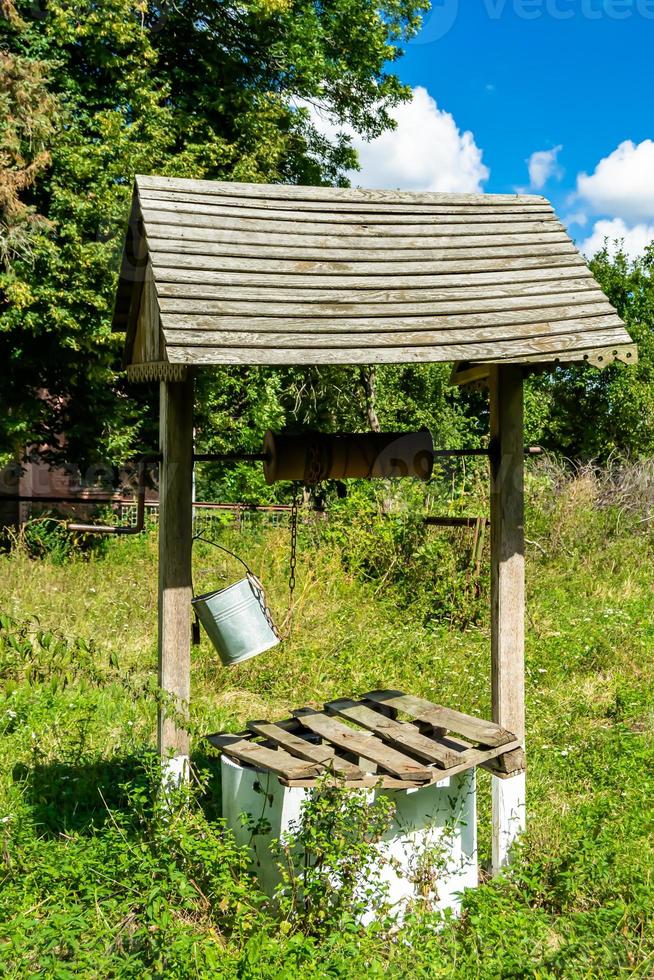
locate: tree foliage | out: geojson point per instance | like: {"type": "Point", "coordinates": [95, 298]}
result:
{"type": "Point", "coordinates": [94, 94]}
{"type": "Point", "coordinates": [586, 413]}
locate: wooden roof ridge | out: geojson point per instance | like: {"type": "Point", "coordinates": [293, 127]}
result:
{"type": "Point", "coordinates": [217, 272]}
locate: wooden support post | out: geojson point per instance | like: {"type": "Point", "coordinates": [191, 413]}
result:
{"type": "Point", "coordinates": [175, 535]}
{"type": "Point", "coordinates": [507, 592]}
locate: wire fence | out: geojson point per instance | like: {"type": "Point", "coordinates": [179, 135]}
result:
{"type": "Point", "coordinates": [208, 517]}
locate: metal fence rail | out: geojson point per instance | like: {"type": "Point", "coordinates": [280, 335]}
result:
{"type": "Point", "coordinates": [207, 516]}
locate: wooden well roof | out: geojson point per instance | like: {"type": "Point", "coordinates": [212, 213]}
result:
{"type": "Point", "coordinates": [228, 273]}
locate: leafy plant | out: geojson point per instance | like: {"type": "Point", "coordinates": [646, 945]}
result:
{"type": "Point", "coordinates": [329, 859]}
{"type": "Point", "coordinates": [384, 540]}
{"type": "Point", "coordinates": [44, 657]}
{"type": "Point", "coordinates": [589, 414]}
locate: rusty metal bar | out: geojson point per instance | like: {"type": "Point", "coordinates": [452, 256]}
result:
{"type": "Point", "coordinates": [230, 457]}
{"type": "Point", "coordinates": [454, 521]}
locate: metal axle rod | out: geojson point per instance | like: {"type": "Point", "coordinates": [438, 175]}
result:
{"type": "Point", "coordinates": [230, 457]}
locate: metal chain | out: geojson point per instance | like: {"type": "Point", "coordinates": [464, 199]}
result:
{"type": "Point", "coordinates": [318, 462]}
{"type": "Point", "coordinates": [260, 594]}
{"type": "Point", "coordinates": [285, 631]}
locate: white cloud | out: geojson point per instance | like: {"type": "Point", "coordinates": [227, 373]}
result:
{"type": "Point", "coordinates": [622, 184]}
{"type": "Point", "coordinates": [543, 165]}
{"type": "Point", "coordinates": [425, 152]}
{"type": "Point", "coordinates": [635, 238]}
{"type": "Point", "coordinates": [576, 218]}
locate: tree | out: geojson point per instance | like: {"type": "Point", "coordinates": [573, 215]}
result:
{"type": "Point", "coordinates": [194, 88]}
{"type": "Point", "coordinates": [589, 414]}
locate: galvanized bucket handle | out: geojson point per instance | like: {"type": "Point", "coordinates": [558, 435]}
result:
{"type": "Point", "coordinates": [255, 583]}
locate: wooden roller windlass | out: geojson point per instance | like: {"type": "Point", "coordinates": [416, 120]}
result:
{"type": "Point", "coordinates": [310, 457]}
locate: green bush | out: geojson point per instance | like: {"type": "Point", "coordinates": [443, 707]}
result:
{"type": "Point", "coordinates": [426, 569]}
{"type": "Point", "coordinates": [47, 536]}
{"type": "Point", "coordinates": [39, 656]}
{"type": "Point", "coordinates": [328, 858]}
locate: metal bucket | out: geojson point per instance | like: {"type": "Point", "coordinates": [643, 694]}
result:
{"type": "Point", "coordinates": [236, 621]}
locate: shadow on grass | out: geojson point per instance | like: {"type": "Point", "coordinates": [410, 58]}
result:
{"type": "Point", "coordinates": [67, 798]}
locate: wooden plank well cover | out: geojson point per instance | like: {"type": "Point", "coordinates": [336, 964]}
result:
{"type": "Point", "coordinates": [226, 273]}
{"type": "Point", "coordinates": [364, 744]}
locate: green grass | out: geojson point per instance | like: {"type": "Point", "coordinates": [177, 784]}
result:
{"type": "Point", "coordinates": [97, 881]}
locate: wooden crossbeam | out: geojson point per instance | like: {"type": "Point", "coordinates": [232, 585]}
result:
{"type": "Point", "coordinates": [324, 755]}
{"type": "Point", "coordinates": [395, 733]}
{"type": "Point", "coordinates": [476, 729]}
{"type": "Point", "coordinates": [275, 760]}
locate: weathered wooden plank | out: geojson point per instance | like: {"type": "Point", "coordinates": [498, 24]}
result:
{"type": "Point", "coordinates": [508, 764]}
{"type": "Point", "coordinates": [488, 758]}
{"type": "Point", "coordinates": [199, 256]}
{"type": "Point", "coordinates": [505, 385]}
{"type": "Point", "coordinates": [274, 760]}
{"type": "Point", "coordinates": [373, 340]}
{"type": "Point", "coordinates": [328, 194]}
{"type": "Point", "coordinates": [367, 781]}
{"type": "Point", "coordinates": [196, 242]}
{"type": "Point", "coordinates": [592, 299]}
{"type": "Point", "coordinates": [353, 300]}
{"type": "Point", "coordinates": [394, 733]}
{"type": "Point", "coordinates": [388, 219]}
{"type": "Point", "coordinates": [204, 255]}
{"type": "Point", "coordinates": [373, 327]}
{"type": "Point", "coordinates": [130, 278]}
{"type": "Point", "coordinates": [407, 284]}
{"type": "Point", "coordinates": [222, 739]}
{"type": "Point", "coordinates": [473, 755]}
{"type": "Point", "coordinates": [201, 230]}
{"type": "Point", "coordinates": [145, 342]}
{"type": "Point", "coordinates": [344, 210]}
{"type": "Point", "coordinates": [602, 357]}
{"type": "Point", "coordinates": [546, 349]}
{"type": "Point", "coordinates": [362, 744]}
{"type": "Point", "coordinates": [324, 755]}
{"type": "Point", "coordinates": [484, 732]}
{"type": "Point", "coordinates": [491, 759]}
{"type": "Point", "coordinates": [204, 217]}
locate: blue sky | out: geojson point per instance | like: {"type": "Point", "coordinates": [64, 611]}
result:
{"type": "Point", "coordinates": [571, 80]}
{"type": "Point", "coordinates": [524, 85]}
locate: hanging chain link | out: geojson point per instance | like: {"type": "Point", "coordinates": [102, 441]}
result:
{"type": "Point", "coordinates": [260, 595]}
{"type": "Point", "coordinates": [285, 631]}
